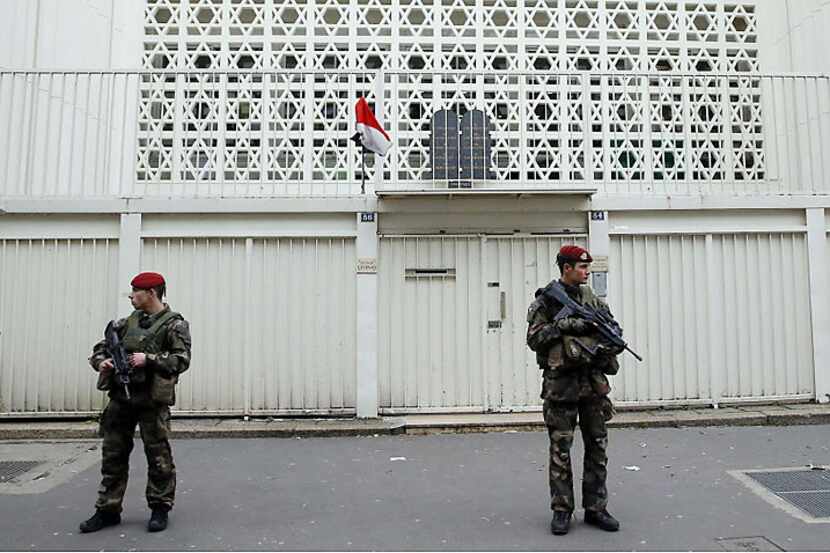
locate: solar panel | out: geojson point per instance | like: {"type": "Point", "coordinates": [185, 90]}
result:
{"type": "Point", "coordinates": [444, 145]}
{"type": "Point", "coordinates": [460, 151]}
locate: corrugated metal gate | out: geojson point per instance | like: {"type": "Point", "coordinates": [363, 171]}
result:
{"type": "Point", "coordinates": [271, 318]}
{"type": "Point", "coordinates": [716, 317]}
{"type": "Point", "coordinates": [452, 320]}
{"type": "Point", "coordinates": [55, 295]}
{"type": "Point", "coordinates": [719, 316]}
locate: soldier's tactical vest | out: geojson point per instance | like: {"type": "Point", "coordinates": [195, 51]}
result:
{"type": "Point", "coordinates": [151, 340]}
{"type": "Point", "coordinates": [572, 371]}
{"type": "Point", "coordinates": [145, 340]}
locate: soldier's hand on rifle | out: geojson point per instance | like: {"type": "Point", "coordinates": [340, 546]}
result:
{"type": "Point", "coordinates": [576, 326]}
{"type": "Point", "coordinates": [582, 326]}
{"type": "Point", "coordinates": [105, 366]}
{"type": "Point", "coordinates": [138, 360]}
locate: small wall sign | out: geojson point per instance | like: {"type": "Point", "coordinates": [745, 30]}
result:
{"type": "Point", "coordinates": [367, 266]}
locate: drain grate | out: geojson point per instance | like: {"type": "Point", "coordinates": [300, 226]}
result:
{"type": "Point", "coordinates": [9, 470]}
{"type": "Point", "coordinates": [793, 480]}
{"type": "Point", "coordinates": [816, 504]}
{"type": "Point", "coordinates": [807, 490]}
{"type": "Point", "coordinates": [750, 543]}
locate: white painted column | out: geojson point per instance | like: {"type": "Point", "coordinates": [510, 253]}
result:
{"type": "Point", "coordinates": [129, 259]}
{"type": "Point", "coordinates": [249, 302]}
{"type": "Point", "coordinates": [717, 342]}
{"type": "Point", "coordinates": [599, 244]}
{"type": "Point", "coordinates": [819, 300]}
{"type": "Point", "coordinates": [367, 315]}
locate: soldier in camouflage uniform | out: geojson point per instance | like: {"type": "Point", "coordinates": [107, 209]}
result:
{"type": "Point", "coordinates": [157, 342]}
{"type": "Point", "coordinates": [574, 386]}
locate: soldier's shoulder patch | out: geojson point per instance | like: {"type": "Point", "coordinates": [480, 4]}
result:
{"type": "Point", "coordinates": [180, 330]}
{"type": "Point", "coordinates": [120, 326]}
{"type": "Point", "coordinates": [179, 324]}
{"type": "Point", "coordinates": [535, 307]}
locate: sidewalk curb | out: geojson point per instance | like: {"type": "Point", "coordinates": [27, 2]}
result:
{"type": "Point", "coordinates": [415, 425]}
{"type": "Point", "coordinates": [325, 428]}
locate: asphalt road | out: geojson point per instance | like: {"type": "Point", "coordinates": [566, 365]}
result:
{"type": "Point", "coordinates": [444, 492]}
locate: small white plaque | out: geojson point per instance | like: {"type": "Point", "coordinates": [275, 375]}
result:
{"type": "Point", "coordinates": [600, 264]}
{"type": "Point", "coordinates": [367, 265]}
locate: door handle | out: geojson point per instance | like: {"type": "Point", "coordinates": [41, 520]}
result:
{"type": "Point", "coordinates": [503, 305]}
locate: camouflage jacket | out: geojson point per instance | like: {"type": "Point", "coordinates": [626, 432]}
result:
{"type": "Point", "coordinates": [172, 360]}
{"type": "Point", "coordinates": [545, 338]}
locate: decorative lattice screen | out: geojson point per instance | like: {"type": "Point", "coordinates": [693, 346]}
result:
{"type": "Point", "coordinates": [630, 93]}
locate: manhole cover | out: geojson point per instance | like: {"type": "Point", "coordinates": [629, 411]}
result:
{"type": "Point", "coordinates": [9, 470]}
{"type": "Point", "coordinates": [751, 543]}
{"type": "Point", "coordinates": [803, 493]}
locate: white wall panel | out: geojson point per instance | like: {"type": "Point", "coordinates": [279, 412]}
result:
{"type": "Point", "coordinates": [56, 296]}
{"type": "Point", "coordinates": [272, 321]}
{"type": "Point", "coordinates": [302, 324]}
{"type": "Point", "coordinates": [18, 33]}
{"type": "Point", "coordinates": [657, 290]}
{"type": "Point", "coordinates": [766, 315]}
{"type": "Point", "coordinates": [68, 34]}
{"type": "Point", "coordinates": [252, 225]}
{"type": "Point", "coordinates": [431, 341]}
{"type": "Point", "coordinates": [68, 134]}
{"type": "Point", "coordinates": [646, 98]}
{"type": "Point", "coordinates": [206, 284]}
{"type": "Point", "coordinates": [716, 317]}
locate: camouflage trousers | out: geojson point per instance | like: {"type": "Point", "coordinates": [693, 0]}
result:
{"type": "Point", "coordinates": [561, 420]}
{"type": "Point", "coordinates": [118, 424]}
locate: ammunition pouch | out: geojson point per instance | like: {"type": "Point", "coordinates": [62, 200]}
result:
{"type": "Point", "coordinates": [610, 366]}
{"type": "Point", "coordinates": [579, 352]}
{"type": "Point", "coordinates": [138, 376]}
{"type": "Point", "coordinates": [556, 356]}
{"type": "Point", "coordinates": [163, 389]}
{"type": "Point", "coordinates": [104, 382]}
{"type": "Point", "coordinates": [572, 353]}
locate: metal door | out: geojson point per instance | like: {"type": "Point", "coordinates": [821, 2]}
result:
{"type": "Point", "coordinates": [452, 318]}
{"type": "Point", "coordinates": [430, 302]}
{"type": "Point", "coordinates": [515, 267]}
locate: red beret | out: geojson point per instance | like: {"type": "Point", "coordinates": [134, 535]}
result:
{"type": "Point", "coordinates": [572, 252]}
{"type": "Point", "coordinates": [147, 280]}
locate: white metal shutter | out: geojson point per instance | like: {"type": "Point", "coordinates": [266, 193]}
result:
{"type": "Point", "coordinates": [715, 316]}
{"type": "Point", "coordinates": [56, 296]}
{"type": "Point", "coordinates": [272, 321]}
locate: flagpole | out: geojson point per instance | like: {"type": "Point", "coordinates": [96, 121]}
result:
{"type": "Point", "coordinates": [362, 169]}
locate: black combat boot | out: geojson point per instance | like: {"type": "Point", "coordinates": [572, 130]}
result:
{"type": "Point", "coordinates": [603, 520]}
{"type": "Point", "coordinates": [561, 523]}
{"type": "Point", "coordinates": [158, 520]}
{"type": "Point", "coordinates": [101, 519]}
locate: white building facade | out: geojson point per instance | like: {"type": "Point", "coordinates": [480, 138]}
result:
{"type": "Point", "coordinates": [684, 142]}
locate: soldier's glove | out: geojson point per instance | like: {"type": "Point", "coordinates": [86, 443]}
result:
{"type": "Point", "coordinates": [575, 326]}
{"type": "Point", "coordinates": [610, 350]}
{"type": "Point", "coordinates": [547, 335]}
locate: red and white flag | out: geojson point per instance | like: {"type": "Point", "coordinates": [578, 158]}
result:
{"type": "Point", "coordinates": [372, 135]}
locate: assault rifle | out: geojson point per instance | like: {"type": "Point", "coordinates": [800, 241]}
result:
{"type": "Point", "coordinates": [601, 320]}
{"type": "Point", "coordinates": [119, 357]}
